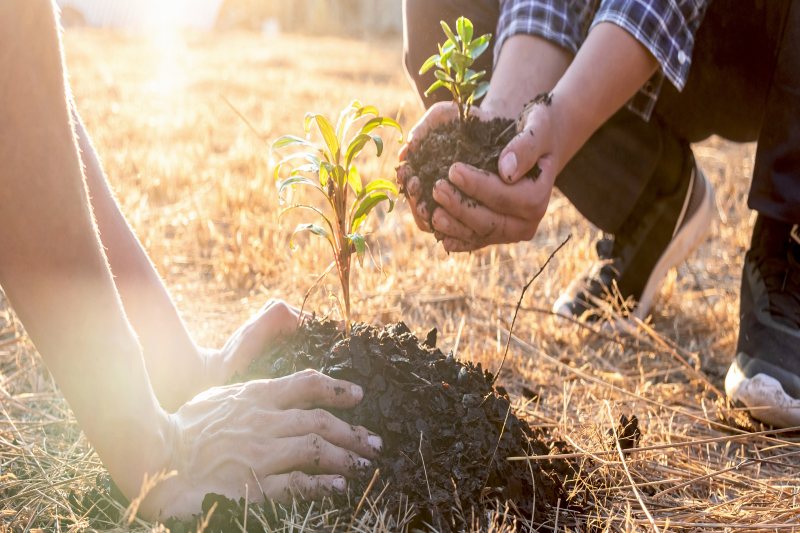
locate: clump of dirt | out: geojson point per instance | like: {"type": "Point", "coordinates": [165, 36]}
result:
{"type": "Point", "coordinates": [476, 143]}
{"type": "Point", "coordinates": [447, 432]}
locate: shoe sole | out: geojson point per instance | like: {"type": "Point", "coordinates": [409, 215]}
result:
{"type": "Point", "coordinates": [763, 396]}
{"type": "Point", "coordinates": [686, 240]}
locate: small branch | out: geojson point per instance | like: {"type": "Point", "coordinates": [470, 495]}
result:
{"type": "Point", "coordinates": [628, 472]}
{"type": "Point", "coordinates": [519, 303]}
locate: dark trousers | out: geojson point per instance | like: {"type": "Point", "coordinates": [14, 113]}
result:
{"type": "Point", "coordinates": [744, 85]}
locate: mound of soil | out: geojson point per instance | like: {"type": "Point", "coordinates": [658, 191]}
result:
{"type": "Point", "coordinates": [446, 430]}
{"type": "Point", "coordinates": [478, 143]}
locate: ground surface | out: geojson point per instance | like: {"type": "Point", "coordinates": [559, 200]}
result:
{"type": "Point", "coordinates": [194, 182]}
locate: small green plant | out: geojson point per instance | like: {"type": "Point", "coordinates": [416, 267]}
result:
{"type": "Point", "coordinates": [453, 66]}
{"type": "Point", "coordinates": [329, 169]}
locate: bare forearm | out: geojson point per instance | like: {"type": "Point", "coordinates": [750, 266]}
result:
{"type": "Point", "coordinates": [527, 66]}
{"type": "Point", "coordinates": [175, 365]}
{"type": "Point", "coordinates": [609, 69]}
{"type": "Point", "coordinates": [52, 266]}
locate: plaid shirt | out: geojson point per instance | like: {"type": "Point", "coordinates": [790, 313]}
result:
{"type": "Point", "coordinates": [665, 27]}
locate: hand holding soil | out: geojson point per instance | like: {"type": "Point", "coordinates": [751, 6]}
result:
{"type": "Point", "coordinates": [275, 319]}
{"type": "Point", "coordinates": [272, 436]}
{"type": "Point", "coordinates": [471, 192]}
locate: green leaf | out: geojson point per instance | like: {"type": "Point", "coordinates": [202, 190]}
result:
{"type": "Point", "coordinates": [472, 77]}
{"type": "Point", "coordinates": [325, 171]}
{"type": "Point", "coordinates": [381, 185]}
{"type": "Point", "coordinates": [299, 180]}
{"type": "Point", "coordinates": [354, 179]}
{"type": "Point", "coordinates": [356, 145]}
{"type": "Point", "coordinates": [465, 29]}
{"type": "Point", "coordinates": [310, 168]}
{"type": "Point", "coordinates": [438, 84]}
{"type": "Point", "coordinates": [442, 76]}
{"type": "Point", "coordinates": [339, 176]}
{"type": "Point", "coordinates": [360, 244]}
{"type": "Point", "coordinates": [308, 208]}
{"type": "Point", "coordinates": [327, 131]}
{"type": "Point", "coordinates": [481, 91]}
{"type": "Point", "coordinates": [477, 47]}
{"type": "Point", "coordinates": [447, 31]}
{"type": "Point", "coordinates": [316, 229]}
{"type": "Point", "coordinates": [429, 63]}
{"type": "Point", "coordinates": [288, 140]}
{"type": "Point", "coordinates": [367, 110]}
{"type": "Point", "coordinates": [460, 61]}
{"type": "Point", "coordinates": [366, 205]}
{"type": "Point", "coordinates": [379, 122]}
{"type": "Point", "coordinates": [311, 158]}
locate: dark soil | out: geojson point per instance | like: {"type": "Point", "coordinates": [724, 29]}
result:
{"type": "Point", "coordinates": [478, 144]}
{"type": "Point", "coordinates": [446, 430]}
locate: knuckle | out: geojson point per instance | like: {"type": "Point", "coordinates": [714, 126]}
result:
{"type": "Point", "coordinates": [296, 482]}
{"type": "Point", "coordinates": [313, 446]}
{"type": "Point", "coordinates": [321, 419]}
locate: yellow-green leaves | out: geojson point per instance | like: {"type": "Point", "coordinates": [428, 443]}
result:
{"type": "Point", "coordinates": [330, 168]}
{"type": "Point", "coordinates": [453, 65]}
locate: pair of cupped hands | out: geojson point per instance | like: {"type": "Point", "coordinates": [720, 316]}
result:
{"type": "Point", "coordinates": [275, 438]}
{"type": "Point", "coordinates": [508, 208]}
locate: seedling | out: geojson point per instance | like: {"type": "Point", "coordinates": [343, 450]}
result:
{"type": "Point", "coordinates": [329, 169]}
{"type": "Point", "coordinates": [453, 66]}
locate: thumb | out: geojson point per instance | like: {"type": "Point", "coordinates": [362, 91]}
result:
{"type": "Point", "coordinates": [520, 156]}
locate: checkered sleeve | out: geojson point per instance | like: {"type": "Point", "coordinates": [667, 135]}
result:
{"type": "Point", "coordinates": [562, 22]}
{"type": "Point", "coordinates": [665, 27]}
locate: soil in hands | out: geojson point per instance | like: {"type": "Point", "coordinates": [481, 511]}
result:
{"type": "Point", "coordinates": [476, 143]}
{"type": "Point", "coordinates": [447, 431]}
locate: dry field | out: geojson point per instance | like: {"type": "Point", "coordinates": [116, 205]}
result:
{"type": "Point", "coordinates": [196, 185]}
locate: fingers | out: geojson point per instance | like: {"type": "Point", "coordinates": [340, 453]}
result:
{"type": "Point", "coordinates": [283, 488]}
{"type": "Point", "coordinates": [298, 422]}
{"type": "Point", "coordinates": [309, 388]}
{"type": "Point", "coordinates": [412, 188]}
{"type": "Point", "coordinates": [275, 319]}
{"type": "Point", "coordinates": [522, 199]}
{"type": "Point", "coordinates": [488, 226]}
{"type": "Point", "coordinates": [524, 151]}
{"type": "Point", "coordinates": [313, 454]}
{"type": "Point", "coordinates": [438, 114]}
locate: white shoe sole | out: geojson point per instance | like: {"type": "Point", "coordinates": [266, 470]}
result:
{"type": "Point", "coordinates": [684, 242]}
{"type": "Point", "coordinates": [764, 397]}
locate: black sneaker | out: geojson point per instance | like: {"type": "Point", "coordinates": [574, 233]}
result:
{"type": "Point", "coordinates": [765, 376]}
{"type": "Point", "coordinates": [633, 265]}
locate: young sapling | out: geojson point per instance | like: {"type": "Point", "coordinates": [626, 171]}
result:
{"type": "Point", "coordinates": [329, 168]}
{"type": "Point", "coordinates": [453, 66]}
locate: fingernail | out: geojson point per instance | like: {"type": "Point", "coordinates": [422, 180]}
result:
{"type": "Point", "coordinates": [456, 178]}
{"type": "Point", "coordinates": [508, 165]}
{"type": "Point", "coordinates": [339, 484]}
{"type": "Point", "coordinates": [358, 392]}
{"type": "Point", "coordinates": [375, 442]}
{"type": "Point", "coordinates": [441, 191]}
{"type": "Point", "coordinates": [364, 463]}
{"type": "Point", "coordinates": [441, 223]}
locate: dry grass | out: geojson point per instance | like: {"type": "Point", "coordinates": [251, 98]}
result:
{"type": "Point", "coordinates": [194, 182]}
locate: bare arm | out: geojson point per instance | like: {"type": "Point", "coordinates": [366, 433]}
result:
{"type": "Point", "coordinates": [607, 71]}
{"type": "Point", "coordinates": [177, 367]}
{"type": "Point", "coordinates": [268, 434]}
{"type": "Point", "coordinates": [51, 263]}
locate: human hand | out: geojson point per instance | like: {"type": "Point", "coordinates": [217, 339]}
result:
{"type": "Point", "coordinates": [275, 319]}
{"type": "Point", "coordinates": [479, 208]}
{"type": "Point", "coordinates": [438, 114]}
{"type": "Point", "coordinates": [262, 439]}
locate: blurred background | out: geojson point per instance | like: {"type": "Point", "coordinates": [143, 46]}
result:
{"type": "Point", "coordinates": [329, 17]}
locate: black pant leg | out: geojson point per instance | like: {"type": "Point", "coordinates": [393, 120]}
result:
{"type": "Point", "coordinates": [775, 191]}
{"type": "Point", "coordinates": [422, 32]}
